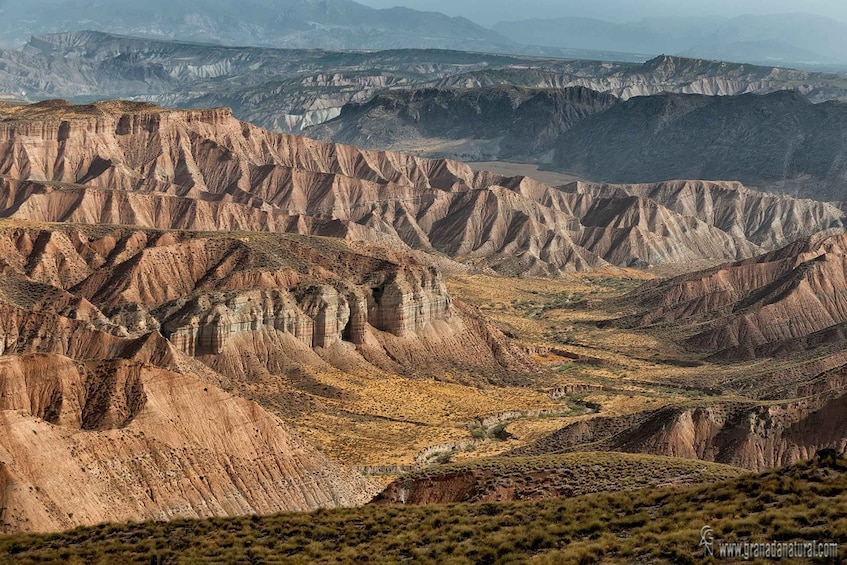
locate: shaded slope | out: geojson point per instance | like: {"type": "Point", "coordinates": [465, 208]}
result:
{"type": "Point", "coordinates": [472, 124]}
{"type": "Point", "coordinates": [779, 141]}
{"type": "Point", "coordinates": [750, 435]}
{"type": "Point", "coordinates": [178, 447]}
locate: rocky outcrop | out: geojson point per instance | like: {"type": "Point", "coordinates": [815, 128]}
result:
{"type": "Point", "coordinates": [408, 302]}
{"type": "Point", "coordinates": [135, 442]}
{"type": "Point", "coordinates": [134, 164]}
{"type": "Point", "coordinates": [143, 427]}
{"type": "Point", "coordinates": [753, 436]}
{"type": "Point", "coordinates": [319, 316]}
{"type": "Point", "coordinates": [756, 307]}
{"type": "Point", "coordinates": [109, 288]}
{"type": "Point", "coordinates": [205, 323]}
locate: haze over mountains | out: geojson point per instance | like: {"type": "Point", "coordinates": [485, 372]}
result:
{"type": "Point", "coordinates": [779, 39]}
{"type": "Point", "coordinates": [782, 39]}
{"type": "Point", "coordinates": [332, 24]}
{"type": "Point", "coordinates": [289, 90]}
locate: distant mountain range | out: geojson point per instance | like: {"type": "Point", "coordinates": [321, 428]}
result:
{"type": "Point", "coordinates": [782, 39]}
{"type": "Point", "coordinates": [288, 90]}
{"type": "Point", "coordinates": [326, 24]}
{"type": "Point", "coordinates": [787, 39]}
{"type": "Point", "coordinates": [778, 141]}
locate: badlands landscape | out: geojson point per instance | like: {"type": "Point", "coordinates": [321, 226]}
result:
{"type": "Point", "coordinates": [204, 319]}
{"type": "Point", "coordinates": [280, 303]}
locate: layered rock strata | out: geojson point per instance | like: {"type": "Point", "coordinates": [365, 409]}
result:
{"type": "Point", "coordinates": [750, 435]}
{"type": "Point", "coordinates": [757, 307]}
{"type": "Point", "coordinates": [137, 164]}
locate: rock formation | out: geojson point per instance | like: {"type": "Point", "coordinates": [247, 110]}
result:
{"type": "Point", "coordinates": [117, 345]}
{"type": "Point", "coordinates": [120, 440]}
{"type": "Point", "coordinates": [137, 164]}
{"type": "Point", "coordinates": [750, 435]}
{"type": "Point", "coordinates": [758, 307]}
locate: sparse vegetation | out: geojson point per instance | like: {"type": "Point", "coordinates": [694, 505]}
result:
{"type": "Point", "coordinates": [579, 473]}
{"type": "Point", "coordinates": [660, 525]}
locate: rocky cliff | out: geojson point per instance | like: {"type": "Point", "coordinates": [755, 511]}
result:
{"type": "Point", "coordinates": [749, 435]}
{"type": "Point", "coordinates": [758, 307]}
{"type": "Point", "coordinates": [127, 357]}
{"type": "Point", "coordinates": [131, 441]}
{"type": "Point", "coordinates": [125, 163]}
{"type": "Point", "coordinates": [112, 287]}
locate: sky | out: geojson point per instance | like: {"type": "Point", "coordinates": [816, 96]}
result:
{"type": "Point", "coordinates": [488, 12]}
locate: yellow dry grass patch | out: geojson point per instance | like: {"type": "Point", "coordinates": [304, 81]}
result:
{"type": "Point", "coordinates": [380, 419]}
{"type": "Point", "coordinates": [388, 419]}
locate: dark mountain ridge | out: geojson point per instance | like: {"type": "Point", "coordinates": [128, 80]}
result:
{"type": "Point", "coordinates": [502, 120]}
{"type": "Point", "coordinates": [779, 141]}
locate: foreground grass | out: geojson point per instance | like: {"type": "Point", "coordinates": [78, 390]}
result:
{"type": "Point", "coordinates": [545, 476]}
{"type": "Point", "coordinates": [806, 501]}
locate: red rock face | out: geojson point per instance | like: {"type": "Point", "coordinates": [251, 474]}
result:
{"type": "Point", "coordinates": [123, 163]}
{"type": "Point", "coordinates": [748, 435]}
{"type": "Point", "coordinates": [115, 342]}
{"type": "Point", "coordinates": [112, 289]}
{"type": "Point", "coordinates": [84, 312]}
{"type": "Point", "coordinates": [773, 304]}
{"type": "Point", "coordinates": [130, 441]}
{"type": "Point", "coordinates": [121, 339]}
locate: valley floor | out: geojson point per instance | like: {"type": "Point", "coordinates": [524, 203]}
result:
{"type": "Point", "coordinates": [509, 169]}
{"type": "Point", "coordinates": [384, 424]}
